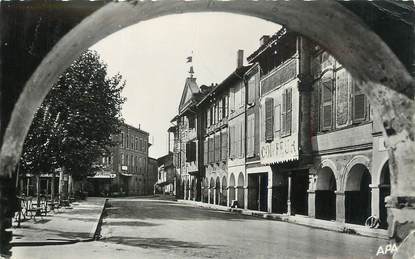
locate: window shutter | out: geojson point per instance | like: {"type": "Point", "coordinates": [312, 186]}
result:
{"type": "Point", "coordinates": [250, 135]}
{"type": "Point", "coordinates": [231, 141]}
{"type": "Point", "coordinates": [224, 138]}
{"type": "Point", "coordinates": [217, 148]}
{"type": "Point", "coordinates": [220, 111]}
{"type": "Point", "coordinates": [205, 152]}
{"type": "Point", "coordinates": [289, 111]}
{"type": "Point", "coordinates": [359, 104]}
{"type": "Point", "coordinates": [232, 100]}
{"type": "Point", "coordinates": [327, 104]}
{"type": "Point", "coordinates": [242, 140]}
{"type": "Point", "coordinates": [284, 113]}
{"type": "Point", "coordinates": [269, 119]}
{"type": "Point", "coordinates": [237, 141]}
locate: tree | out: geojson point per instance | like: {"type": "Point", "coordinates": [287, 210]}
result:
{"type": "Point", "coordinates": [74, 124]}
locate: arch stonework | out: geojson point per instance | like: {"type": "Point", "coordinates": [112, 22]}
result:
{"type": "Point", "coordinates": [387, 83]}
{"type": "Point", "coordinates": [360, 159]}
{"type": "Point", "coordinates": [241, 180]}
{"type": "Point", "coordinates": [232, 180]}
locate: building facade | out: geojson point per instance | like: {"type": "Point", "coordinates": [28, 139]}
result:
{"type": "Point", "coordinates": [166, 176]}
{"type": "Point", "coordinates": [291, 133]}
{"type": "Point", "coordinates": [125, 168]}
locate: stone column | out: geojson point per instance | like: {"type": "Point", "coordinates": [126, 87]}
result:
{"type": "Point", "coordinates": [311, 203]}
{"type": "Point", "coordinates": [228, 191]}
{"type": "Point", "coordinates": [340, 206]}
{"type": "Point", "coordinates": [375, 200]}
{"type": "Point", "coordinates": [269, 194]}
{"type": "Point", "coordinates": [209, 190]}
{"type": "Point", "coordinates": [214, 196]}
{"type": "Point", "coordinates": [289, 212]}
{"type": "Point", "coordinates": [245, 197]}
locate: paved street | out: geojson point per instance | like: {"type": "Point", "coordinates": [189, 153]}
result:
{"type": "Point", "coordinates": [149, 228]}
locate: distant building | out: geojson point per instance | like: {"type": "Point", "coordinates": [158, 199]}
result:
{"type": "Point", "coordinates": [123, 171]}
{"type": "Point", "coordinates": [166, 175]}
{"type": "Point", "coordinates": [151, 177]}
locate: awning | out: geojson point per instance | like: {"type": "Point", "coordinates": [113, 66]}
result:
{"type": "Point", "coordinates": [125, 174]}
{"type": "Point", "coordinates": [103, 175]}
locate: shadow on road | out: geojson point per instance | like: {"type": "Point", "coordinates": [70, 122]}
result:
{"type": "Point", "coordinates": [145, 209]}
{"type": "Point", "coordinates": [155, 243]}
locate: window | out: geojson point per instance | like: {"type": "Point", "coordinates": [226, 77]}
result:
{"type": "Point", "coordinates": [217, 148]}
{"type": "Point", "coordinates": [237, 141]}
{"type": "Point", "coordinates": [241, 140]}
{"type": "Point", "coordinates": [224, 143]}
{"type": "Point", "coordinates": [211, 150]}
{"type": "Point", "coordinates": [358, 104]}
{"type": "Point", "coordinates": [207, 118]}
{"type": "Point", "coordinates": [205, 152]}
{"type": "Point", "coordinates": [220, 110]}
{"type": "Point", "coordinates": [326, 112]}
{"type": "Point", "coordinates": [250, 135]}
{"type": "Point", "coordinates": [122, 159]}
{"type": "Point", "coordinates": [191, 151]}
{"type": "Point", "coordinates": [232, 100]}
{"type": "Point", "coordinates": [127, 141]}
{"type": "Point", "coordinates": [225, 107]}
{"type": "Point", "coordinates": [251, 90]}
{"type": "Point", "coordinates": [232, 142]}
{"type": "Point", "coordinates": [126, 159]}
{"type": "Point", "coordinates": [286, 112]}
{"type": "Point", "coordinates": [269, 119]}
{"type": "Point", "coordinates": [122, 139]}
{"type": "Point", "coordinates": [192, 122]}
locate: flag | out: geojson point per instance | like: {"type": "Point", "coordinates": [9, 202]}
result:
{"type": "Point", "coordinates": [189, 59]}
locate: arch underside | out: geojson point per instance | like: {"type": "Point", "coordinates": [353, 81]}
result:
{"type": "Point", "coordinates": [369, 60]}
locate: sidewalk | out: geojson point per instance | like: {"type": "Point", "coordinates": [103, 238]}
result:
{"type": "Point", "coordinates": [301, 220]}
{"type": "Point", "coordinates": [65, 226]}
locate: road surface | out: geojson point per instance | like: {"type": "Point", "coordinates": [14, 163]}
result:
{"type": "Point", "coordinates": [150, 228]}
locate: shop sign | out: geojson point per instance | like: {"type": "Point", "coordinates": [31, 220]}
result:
{"type": "Point", "coordinates": [280, 150]}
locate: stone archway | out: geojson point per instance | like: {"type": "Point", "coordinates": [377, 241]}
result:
{"type": "Point", "coordinates": [326, 22]}
{"type": "Point", "coordinates": [358, 194]}
{"type": "Point", "coordinates": [325, 197]}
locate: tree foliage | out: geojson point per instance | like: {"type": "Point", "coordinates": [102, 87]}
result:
{"type": "Point", "coordinates": [72, 128]}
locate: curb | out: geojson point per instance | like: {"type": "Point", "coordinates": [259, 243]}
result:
{"type": "Point", "coordinates": [308, 222]}
{"type": "Point", "coordinates": [93, 235]}
{"type": "Point", "coordinates": [96, 229]}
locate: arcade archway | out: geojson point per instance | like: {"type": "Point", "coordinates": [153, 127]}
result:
{"type": "Point", "coordinates": [384, 191]}
{"type": "Point", "coordinates": [325, 202]}
{"type": "Point", "coordinates": [358, 195]}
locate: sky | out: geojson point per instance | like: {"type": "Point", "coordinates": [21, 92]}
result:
{"type": "Point", "coordinates": [151, 57]}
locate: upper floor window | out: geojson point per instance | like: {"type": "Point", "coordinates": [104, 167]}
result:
{"type": "Point", "coordinates": [122, 159]}
{"type": "Point", "coordinates": [192, 122]}
{"type": "Point", "coordinates": [251, 90]}
{"type": "Point", "coordinates": [122, 139]}
{"type": "Point", "coordinates": [358, 104]}
{"type": "Point", "coordinates": [250, 135]}
{"type": "Point", "coordinates": [269, 119]}
{"type": "Point", "coordinates": [326, 97]}
{"type": "Point", "coordinates": [286, 113]}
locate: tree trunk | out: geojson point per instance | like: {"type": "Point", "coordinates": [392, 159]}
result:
{"type": "Point", "coordinates": [61, 186]}
{"type": "Point", "coordinates": [70, 185]}
{"type": "Point", "coordinates": [52, 188]}
{"type": "Point", "coordinates": [38, 190]}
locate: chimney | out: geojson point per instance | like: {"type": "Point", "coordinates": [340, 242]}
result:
{"type": "Point", "coordinates": [264, 39]}
{"type": "Point", "coordinates": [239, 58]}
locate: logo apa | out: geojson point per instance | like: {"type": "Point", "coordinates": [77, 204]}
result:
{"type": "Point", "coordinates": [388, 249]}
